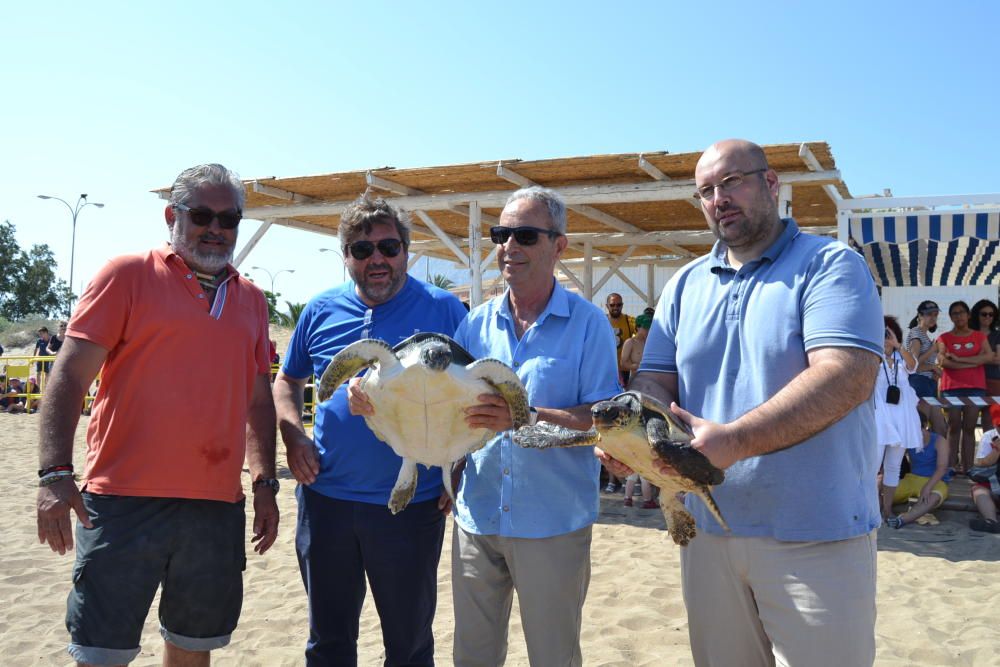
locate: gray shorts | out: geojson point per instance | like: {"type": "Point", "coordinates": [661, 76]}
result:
{"type": "Point", "coordinates": [193, 548]}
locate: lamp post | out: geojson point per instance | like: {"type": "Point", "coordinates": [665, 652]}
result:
{"type": "Point", "coordinates": [343, 262]}
{"type": "Point", "coordinates": [272, 277]}
{"type": "Point", "coordinates": [81, 203]}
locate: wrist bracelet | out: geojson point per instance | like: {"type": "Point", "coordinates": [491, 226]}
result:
{"type": "Point", "coordinates": [57, 468]}
{"type": "Point", "coordinates": [54, 477]}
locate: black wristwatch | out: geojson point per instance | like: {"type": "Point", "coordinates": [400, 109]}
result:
{"type": "Point", "coordinates": [271, 483]}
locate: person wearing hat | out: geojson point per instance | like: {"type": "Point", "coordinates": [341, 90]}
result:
{"type": "Point", "coordinates": [925, 380]}
{"type": "Point", "coordinates": [633, 347]}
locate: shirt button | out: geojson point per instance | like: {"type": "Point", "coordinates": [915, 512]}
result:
{"type": "Point", "coordinates": [201, 296]}
{"type": "Point", "coordinates": [188, 276]}
{"type": "Point", "coordinates": [506, 471]}
{"type": "Point", "coordinates": [506, 508]}
{"type": "Point", "coordinates": [516, 364]}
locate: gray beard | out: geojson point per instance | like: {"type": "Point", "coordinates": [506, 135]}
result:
{"type": "Point", "coordinates": [197, 260]}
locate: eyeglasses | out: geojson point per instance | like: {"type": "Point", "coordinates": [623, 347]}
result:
{"type": "Point", "coordinates": [728, 184]}
{"type": "Point", "coordinates": [203, 216]}
{"type": "Point", "coordinates": [987, 313]}
{"type": "Point", "coordinates": [523, 235]}
{"type": "Point", "coordinates": [364, 249]}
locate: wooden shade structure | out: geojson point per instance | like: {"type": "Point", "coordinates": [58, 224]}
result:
{"type": "Point", "coordinates": [627, 209]}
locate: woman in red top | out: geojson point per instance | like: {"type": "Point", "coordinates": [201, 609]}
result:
{"type": "Point", "coordinates": [962, 353]}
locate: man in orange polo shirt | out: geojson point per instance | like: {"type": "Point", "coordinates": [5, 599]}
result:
{"type": "Point", "coordinates": [162, 500]}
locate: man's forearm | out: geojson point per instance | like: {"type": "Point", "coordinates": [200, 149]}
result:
{"type": "Point", "coordinates": [289, 403]}
{"type": "Point", "coordinates": [261, 436]}
{"type": "Point", "coordinates": [819, 396]}
{"type": "Point", "coordinates": [60, 416]}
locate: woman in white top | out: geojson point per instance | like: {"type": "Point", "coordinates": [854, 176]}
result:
{"type": "Point", "coordinates": [895, 411]}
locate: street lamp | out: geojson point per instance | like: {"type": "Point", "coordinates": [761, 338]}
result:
{"type": "Point", "coordinates": [272, 277]}
{"type": "Point", "coordinates": [74, 211]}
{"type": "Point", "coordinates": [343, 263]}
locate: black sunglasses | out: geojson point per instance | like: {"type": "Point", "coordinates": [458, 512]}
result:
{"type": "Point", "coordinates": [203, 216]}
{"type": "Point", "coordinates": [523, 235]}
{"type": "Point", "coordinates": [364, 249]}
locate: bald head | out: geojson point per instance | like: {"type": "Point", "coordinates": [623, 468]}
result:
{"type": "Point", "coordinates": [746, 154]}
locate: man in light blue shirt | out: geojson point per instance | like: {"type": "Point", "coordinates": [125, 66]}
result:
{"type": "Point", "coordinates": [523, 516]}
{"type": "Point", "coordinates": [770, 344]}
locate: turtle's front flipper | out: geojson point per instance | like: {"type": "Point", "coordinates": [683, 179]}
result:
{"type": "Point", "coordinates": [346, 364]}
{"type": "Point", "coordinates": [675, 448]}
{"type": "Point", "coordinates": [680, 523]}
{"type": "Point", "coordinates": [451, 475]}
{"type": "Point", "coordinates": [546, 434]}
{"type": "Point", "coordinates": [499, 376]}
{"type": "Point", "coordinates": [406, 486]}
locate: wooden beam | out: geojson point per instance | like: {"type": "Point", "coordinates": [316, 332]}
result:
{"type": "Point", "coordinates": [807, 156]}
{"type": "Point", "coordinates": [624, 257]}
{"type": "Point", "coordinates": [658, 175]}
{"type": "Point", "coordinates": [615, 193]}
{"type": "Point", "coordinates": [569, 274]}
{"type": "Point", "coordinates": [278, 193]}
{"type": "Point", "coordinates": [475, 266]}
{"type": "Point", "coordinates": [251, 243]}
{"type": "Point", "coordinates": [445, 238]}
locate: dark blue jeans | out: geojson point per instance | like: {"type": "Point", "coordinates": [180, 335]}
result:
{"type": "Point", "coordinates": [338, 542]}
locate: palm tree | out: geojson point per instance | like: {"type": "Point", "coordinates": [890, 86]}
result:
{"type": "Point", "coordinates": [442, 281]}
{"type": "Point", "coordinates": [291, 318]}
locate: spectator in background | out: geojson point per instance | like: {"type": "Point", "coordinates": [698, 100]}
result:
{"type": "Point", "coordinates": [962, 353]}
{"type": "Point", "coordinates": [11, 402]}
{"type": "Point", "coordinates": [896, 413]}
{"type": "Point", "coordinates": [56, 341]}
{"type": "Point", "coordinates": [634, 346]}
{"type": "Point", "coordinates": [984, 319]}
{"type": "Point", "coordinates": [986, 487]}
{"type": "Point", "coordinates": [928, 466]}
{"type": "Point", "coordinates": [920, 345]}
{"type": "Point", "coordinates": [42, 350]}
{"type": "Point", "coordinates": [623, 325]}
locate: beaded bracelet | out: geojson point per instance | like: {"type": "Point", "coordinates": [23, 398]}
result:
{"type": "Point", "coordinates": [53, 477]}
{"type": "Point", "coordinates": [57, 468]}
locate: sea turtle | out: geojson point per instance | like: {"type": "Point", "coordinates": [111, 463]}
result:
{"type": "Point", "coordinates": [630, 427]}
{"type": "Point", "coordinates": [419, 389]}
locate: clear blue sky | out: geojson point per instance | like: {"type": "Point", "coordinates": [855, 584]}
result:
{"type": "Point", "coordinates": [115, 98]}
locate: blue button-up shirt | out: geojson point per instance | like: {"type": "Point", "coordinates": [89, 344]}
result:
{"type": "Point", "coordinates": [566, 358]}
{"type": "Point", "coordinates": [735, 338]}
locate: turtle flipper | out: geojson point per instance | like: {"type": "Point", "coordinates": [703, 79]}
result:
{"type": "Point", "coordinates": [676, 449]}
{"type": "Point", "coordinates": [680, 523]}
{"type": "Point", "coordinates": [544, 435]}
{"type": "Point", "coordinates": [703, 492]}
{"type": "Point", "coordinates": [346, 364]}
{"type": "Point", "coordinates": [406, 486]}
{"type": "Point", "coordinates": [499, 376]}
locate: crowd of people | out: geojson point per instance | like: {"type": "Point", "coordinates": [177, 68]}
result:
{"type": "Point", "coordinates": [768, 348]}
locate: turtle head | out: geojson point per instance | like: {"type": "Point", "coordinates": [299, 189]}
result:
{"type": "Point", "coordinates": [436, 356]}
{"type": "Point", "coordinates": [620, 412]}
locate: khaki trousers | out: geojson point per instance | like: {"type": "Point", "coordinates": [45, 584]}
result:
{"type": "Point", "coordinates": [757, 601]}
{"type": "Point", "coordinates": [550, 575]}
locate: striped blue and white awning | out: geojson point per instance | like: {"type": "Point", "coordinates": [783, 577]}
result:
{"type": "Point", "coordinates": [929, 249]}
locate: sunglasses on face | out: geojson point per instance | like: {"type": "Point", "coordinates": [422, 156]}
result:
{"type": "Point", "coordinates": [523, 235]}
{"type": "Point", "coordinates": [364, 249]}
{"type": "Point", "coordinates": [987, 313]}
{"type": "Point", "coordinates": [203, 216]}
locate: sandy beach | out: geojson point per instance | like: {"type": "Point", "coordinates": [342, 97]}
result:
{"type": "Point", "coordinates": [938, 589]}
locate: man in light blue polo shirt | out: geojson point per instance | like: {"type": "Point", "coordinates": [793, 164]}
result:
{"type": "Point", "coordinates": [523, 516]}
{"type": "Point", "coordinates": [770, 345]}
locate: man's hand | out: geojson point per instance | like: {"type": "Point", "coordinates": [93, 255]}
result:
{"type": "Point", "coordinates": [265, 519]}
{"type": "Point", "coordinates": [492, 413]}
{"type": "Point", "coordinates": [614, 466]}
{"type": "Point", "coordinates": [444, 503]}
{"type": "Point", "coordinates": [711, 439]}
{"type": "Point", "coordinates": [303, 459]}
{"type": "Point", "coordinates": [357, 400]}
{"type": "Point", "coordinates": [54, 504]}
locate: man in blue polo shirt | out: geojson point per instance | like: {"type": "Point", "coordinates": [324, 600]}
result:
{"type": "Point", "coordinates": [770, 345]}
{"type": "Point", "coordinates": [345, 531]}
{"type": "Point", "coordinates": [524, 517]}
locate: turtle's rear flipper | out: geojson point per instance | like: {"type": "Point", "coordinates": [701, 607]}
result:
{"type": "Point", "coordinates": [406, 486]}
{"type": "Point", "coordinates": [544, 435]}
{"type": "Point", "coordinates": [680, 523]}
{"type": "Point", "coordinates": [452, 477]}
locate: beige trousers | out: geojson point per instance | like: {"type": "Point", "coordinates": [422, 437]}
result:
{"type": "Point", "coordinates": [550, 575]}
{"type": "Point", "coordinates": [757, 601]}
